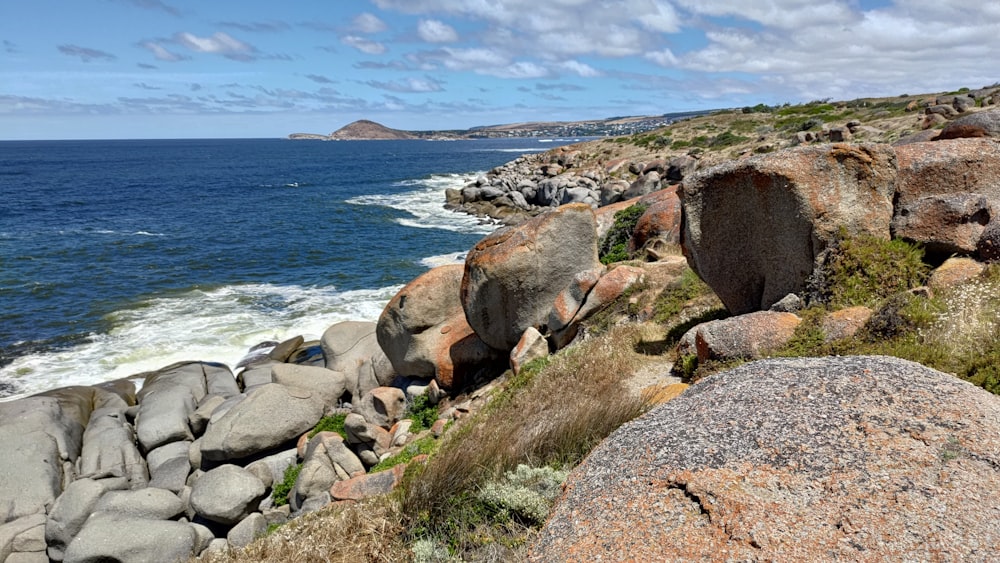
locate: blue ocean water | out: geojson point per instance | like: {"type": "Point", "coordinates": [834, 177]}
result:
{"type": "Point", "coordinates": [118, 257]}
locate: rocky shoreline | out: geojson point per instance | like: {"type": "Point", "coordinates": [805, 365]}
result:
{"type": "Point", "coordinates": [188, 462]}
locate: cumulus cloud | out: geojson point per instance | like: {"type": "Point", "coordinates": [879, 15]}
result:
{"type": "Point", "coordinates": [86, 54]}
{"type": "Point", "coordinates": [434, 31]}
{"type": "Point", "coordinates": [794, 49]}
{"type": "Point", "coordinates": [409, 85]}
{"type": "Point", "coordinates": [368, 23]}
{"type": "Point", "coordinates": [364, 45]}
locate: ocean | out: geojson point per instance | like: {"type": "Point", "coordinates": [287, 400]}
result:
{"type": "Point", "coordinates": [118, 257]}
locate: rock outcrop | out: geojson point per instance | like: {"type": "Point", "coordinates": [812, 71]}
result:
{"type": "Point", "coordinates": [755, 227]}
{"type": "Point", "coordinates": [850, 458]}
{"type": "Point", "coordinates": [513, 276]}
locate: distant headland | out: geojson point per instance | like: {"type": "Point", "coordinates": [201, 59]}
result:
{"type": "Point", "coordinates": [365, 130]}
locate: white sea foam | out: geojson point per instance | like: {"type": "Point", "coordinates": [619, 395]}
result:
{"type": "Point", "coordinates": [444, 259]}
{"type": "Point", "coordinates": [219, 325]}
{"type": "Point", "coordinates": [425, 205]}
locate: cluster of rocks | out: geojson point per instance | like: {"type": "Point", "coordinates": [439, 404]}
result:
{"type": "Point", "coordinates": [188, 463]}
{"type": "Point", "coordinates": [537, 183]}
{"type": "Point", "coordinates": [943, 108]}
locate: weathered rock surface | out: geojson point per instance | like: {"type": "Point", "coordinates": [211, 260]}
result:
{"type": "Point", "coordinates": [513, 275]}
{"type": "Point", "coordinates": [951, 166]}
{"type": "Point", "coordinates": [424, 333]}
{"type": "Point", "coordinates": [849, 458]}
{"type": "Point", "coordinates": [226, 494]}
{"type": "Point", "coordinates": [328, 385]}
{"type": "Point", "coordinates": [754, 227]}
{"type": "Point", "coordinates": [944, 224]}
{"type": "Point", "coordinates": [954, 271]}
{"type": "Point", "coordinates": [108, 536]}
{"type": "Point", "coordinates": [746, 336]}
{"type": "Point", "coordinates": [351, 347]}
{"type": "Point", "coordinates": [271, 415]}
{"type": "Point", "coordinates": [979, 124]}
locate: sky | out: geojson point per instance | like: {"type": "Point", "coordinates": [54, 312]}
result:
{"type": "Point", "coordinates": [126, 69]}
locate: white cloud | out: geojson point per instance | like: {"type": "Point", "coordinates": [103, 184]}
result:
{"type": "Point", "coordinates": [218, 43]}
{"type": "Point", "coordinates": [409, 85]}
{"type": "Point", "coordinates": [160, 52]}
{"type": "Point", "coordinates": [368, 23]}
{"type": "Point", "coordinates": [364, 45]}
{"type": "Point", "coordinates": [580, 69]}
{"type": "Point", "coordinates": [434, 31]}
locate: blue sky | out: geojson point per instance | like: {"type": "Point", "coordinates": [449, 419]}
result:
{"type": "Point", "coordinates": [82, 69]}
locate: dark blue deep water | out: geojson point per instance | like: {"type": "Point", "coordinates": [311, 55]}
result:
{"type": "Point", "coordinates": [123, 256]}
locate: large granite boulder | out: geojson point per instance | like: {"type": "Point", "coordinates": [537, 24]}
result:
{"type": "Point", "coordinates": [40, 437]}
{"type": "Point", "coordinates": [109, 536]}
{"type": "Point", "coordinates": [513, 276]}
{"type": "Point", "coordinates": [109, 449]}
{"type": "Point", "coordinates": [754, 227]}
{"type": "Point", "coordinates": [70, 512]}
{"type": "Point", "coordinates": [226, 494]}
{"type": "Point", "coordinates": [945, 167]}
{"type": "Point", "coordinates": [351, 348]}
{"type": "Point", "coordinates": [944, 224]}
{"type": "Point", "coordinates": [168, 397]}
{"type": "Point", "coordinates": [327, 384]}
{"type": "Point", "coordinates": [270, 416]}
{"type": "Point", "coordinates": [811, 459]}
{"type": "Point", "coordinates": [424, 333]}
{"type": "Point", "coordinates": [979, 124]}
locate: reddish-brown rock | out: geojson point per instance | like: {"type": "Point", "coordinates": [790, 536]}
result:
{"type": "Point", "coordinates": [951, 166]}
{"type": "Point", "coordinates": [424, 333]}
{"type": "Point", "coordinates": [513, 276]}
{"type": "Point", "coordinates": [754, 227]}
{"type": "Point", "coordinates": [943, 224]}
{"type": "Point", "coordinates": [660, 224]}
{"type": "Point", "coordinates": [954, 271]}
{"type": "Point", "coordinates": [845, 322]}
{"type": "Point", "coordinates": [745, 336]}
{"type": "Point", "coordinates": [808, 459]}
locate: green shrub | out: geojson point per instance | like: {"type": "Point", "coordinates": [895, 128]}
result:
{"type": "Point", "coordinates": [422, 412]}
{"type": "Point", "coordinates": [281, 490]}
{"type": "Point", "coordinates": [425, 445]}
{"type": "Point", "coordinates": [677, 295]}
{"type": "Point", "coordinates": [865, 270]}
{"type": "Point", "coordinates": [726, 139]}
{"type": "Point", "coordinates": [333, 423]}
{"type": "Point", "coordinates": [614, 246]}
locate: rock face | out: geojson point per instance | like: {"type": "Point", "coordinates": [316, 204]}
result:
{"type": "Point", "coordinates": [424, 333]}
{"type": "Point", "coordinates": [513, 275]}
{"type": "Point", "coordinates": [754, 228]}
{"type": "Point", "coordinates": [849, 458]}
{"type": "Point", "coordinates": [952, 166]}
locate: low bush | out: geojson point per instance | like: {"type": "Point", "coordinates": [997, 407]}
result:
{"type": "Point", "coordinates": [422, 412]}
{"type": "Point", "coordinates": [333, 423]}
{"type": "Point", "coordinates": [280, 491]}
{"type": "Point", "coordinates": [614, 245]}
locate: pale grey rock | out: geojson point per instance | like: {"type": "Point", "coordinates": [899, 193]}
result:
{"type": "Point", "coordinates": [22, 534]}
{"type": "Point", "coordinates": [271, 469]}
{"type": "Point", "coordinates": [270, 416]}
{"type": "Point", "coordinates": [327, 384]}
{"type": "Point", "coordinates": [351, 347]}
{"type": "Point", "coordinates": [249, 529]}
{"type": "Point", "coordinates": [204, 537]}
{"type": "Point", "coordinates": [109, 536]}
{"type": "Point", "coordinates": [226, 494]}
{"type": "Point", "coordinates": [200, 417]}
{"type": "Point", "coordinates": [109, 449]}
{"type": "Point", "coordinates": [69, 512]}
{"type": "Point", "coordinates": [148, 504]}
{"type": "Point", "coordinates": [382, 406]}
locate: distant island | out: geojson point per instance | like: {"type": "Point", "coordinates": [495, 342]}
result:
{"type": "Point", "coordinates": [366, 130]}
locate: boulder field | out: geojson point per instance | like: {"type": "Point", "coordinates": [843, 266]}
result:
{"type": "Point", "coordinates": [799, 459]}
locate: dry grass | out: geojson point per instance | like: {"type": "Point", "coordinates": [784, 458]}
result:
{"type": "Point", "coordinates": [554, 416]}
{"type": "Point", "coordinates": [367, 531]}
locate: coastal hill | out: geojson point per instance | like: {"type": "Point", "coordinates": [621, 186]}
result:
{"type": "Point", "coordinates": [366, 130]}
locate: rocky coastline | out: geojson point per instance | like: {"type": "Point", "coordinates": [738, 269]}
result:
{"type": "Point", "coordinates": [185, 461]}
